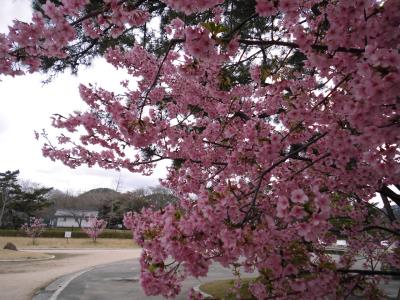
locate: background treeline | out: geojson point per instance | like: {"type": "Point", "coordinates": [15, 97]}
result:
{"type": "Point", "coordinates": [110, 204]}
{"type": "Point", "coordinates": [20, 200]}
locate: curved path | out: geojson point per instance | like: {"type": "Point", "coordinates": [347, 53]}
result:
{"type": "Point", "coordinates": [19, 280]}
{"type": "Point", "coordinates": [115, 281]}
{"type": "Point", "coordinates": [92, 274]}
{"type": "Point", "coordinates": [120, 281]}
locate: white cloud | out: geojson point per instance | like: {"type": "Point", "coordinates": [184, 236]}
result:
{"type": "Point", "coordinates": [14, 9]}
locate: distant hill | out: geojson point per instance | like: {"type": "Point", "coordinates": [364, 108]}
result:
{"type": "Point", "coordinates": [99, 191]}
{"type": "Point", "coordinates": [98, 197]}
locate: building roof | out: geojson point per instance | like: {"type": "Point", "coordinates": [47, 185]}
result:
{"type": "Point", "coordinates": [75, 213]}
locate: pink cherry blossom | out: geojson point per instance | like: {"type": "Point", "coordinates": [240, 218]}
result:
{"type": "Point", "coordinates": [277, 136]}
{"type": "Point", "coordinates": [258, 290]}
{"type": "Point", "coordinates": [34, 228]}
{"type": "Point", "coordinates": [95, 227]}
{"type": "Point", "coordinates": [265, 8]}
{"type": "Point", "coordinates": [298, 196]}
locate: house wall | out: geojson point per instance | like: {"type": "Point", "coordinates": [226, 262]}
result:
{"type": "Point", "coordinates": [69, 222]}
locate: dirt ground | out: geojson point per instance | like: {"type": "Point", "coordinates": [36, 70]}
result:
{"type": "Point", "coordinates": [19, 280]}
{"type": "Point", "coordinates": [21, 255]}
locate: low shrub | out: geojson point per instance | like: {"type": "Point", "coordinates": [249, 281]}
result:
{"type": "Point", "coordinates": [76, 233]}
{"type": "Point", "coordinates": [11, 232]}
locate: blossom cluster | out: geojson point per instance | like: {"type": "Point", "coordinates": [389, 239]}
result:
{"type": "Point", "coordinates": [34, 228]}
{"type": "Point", "coordinates": [272, 158]}
{"type": "Point", "coordinates": [94, 227]}
{"type": "Point", "coordinates": [189, 7]}
{"type": "Point", "coordinates": [52, 31]}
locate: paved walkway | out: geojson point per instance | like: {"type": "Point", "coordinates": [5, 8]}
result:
{"type": "Point", "coordinates": [119, 281]}
{"type": "Point", "coordinates": [19, 280]}
{"type": "Point", "coordinates": [92, 275]}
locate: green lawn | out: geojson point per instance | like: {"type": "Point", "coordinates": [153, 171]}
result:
{"type": "Point", "coordinates": [221, 289]}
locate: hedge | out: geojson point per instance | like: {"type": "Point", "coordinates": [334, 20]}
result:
{"type": "Point", "coordinates": [76, 233]}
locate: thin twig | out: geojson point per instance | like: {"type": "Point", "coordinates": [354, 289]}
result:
{"type": "Point", "coordinates": [381, 228]}
{"type": "Point", "coordinates": [318, 47]}
{"type": "Point", "coordinates": [234, 30]}
{"type": "Point", "coordinates": [172, 43]}
{"type": "Point", "coordinates": [256, 190]}
{"type": "Point", "coordinates": [309, 165]}
{"type": "Point", "coordinates": [331, 92]}
{"type": "Point", "coordinates": [369, 272]}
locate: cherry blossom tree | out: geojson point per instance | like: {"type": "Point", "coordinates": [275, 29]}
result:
{"type": "Point", "coordinates": [95, 228]}
{"type": "Point", "coordinates": [280, 119]}
{"type": "Point", "coordinates": [34, 228]}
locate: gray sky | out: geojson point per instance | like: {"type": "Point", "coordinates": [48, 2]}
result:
{"type": "Point", "coordinates": [27, 105]}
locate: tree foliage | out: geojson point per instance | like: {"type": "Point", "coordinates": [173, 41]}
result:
{"type": "Point", "coordinates": [95, 227]}
{"type": "Point", "coordinates": [34, 228]}
{"type": "Point", "coordinates": [110, 204]}
{"type": "Point", "coordinates": [19, 203]}
{"type": "Point", "coordinates": [9, 190]}
{"type": "Point", "coordinates": [279, 117]}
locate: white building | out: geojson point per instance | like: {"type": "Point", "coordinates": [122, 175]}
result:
{"type": "Point", "coordinates": [72, 217]}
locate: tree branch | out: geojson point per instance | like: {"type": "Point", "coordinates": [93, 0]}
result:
{"type": "Point", "coordinates": [310, 165]}
{"type": "Point", "coordinates": [369, 272]}
{"type": "Point", "coordinates": [386, 191]}
{"type": "Point", "coordinates": [388, 208]}
{"type": "Point", "coordinates": [170, 46]}
{"type": "Point", "coordinates": [313, 140]}
{"type": "Point", "coordinates": [237, 28]}
{"type": "Point", "coordinates": [104, 9]}
{"type": "Point", "coordinates": [382, 228]}
{"type": "Point", "coordinates": [331, 91]}
{"type": "Point", "coordinates": [318, 47]}
{"type": "Point", "coordinates": [248, 42]}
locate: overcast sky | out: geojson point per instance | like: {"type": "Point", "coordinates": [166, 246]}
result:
{"type": "Point", "coordinates": [27, 105]}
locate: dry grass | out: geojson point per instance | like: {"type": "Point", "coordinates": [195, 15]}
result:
{"type": "Point", "coordinates": [222, 289]}
{"type": "Point", "coordinates": [19, 255]}
{"type": "Point", "coordinates": [61, 243]}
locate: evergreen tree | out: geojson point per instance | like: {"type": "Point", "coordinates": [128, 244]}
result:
{"type": "Point", "coordinates": [17, 204]}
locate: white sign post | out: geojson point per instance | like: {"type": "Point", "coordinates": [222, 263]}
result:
{"type": "Point", "coordinates": [67, 235]}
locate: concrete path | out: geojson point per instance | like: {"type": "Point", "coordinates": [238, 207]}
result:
{"type": "Point", "coordinates": [119, 281]}
{"type": "Point", "coordinates": [92, 274]}
{"type": "Point", "coordinates": [19, 280]}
